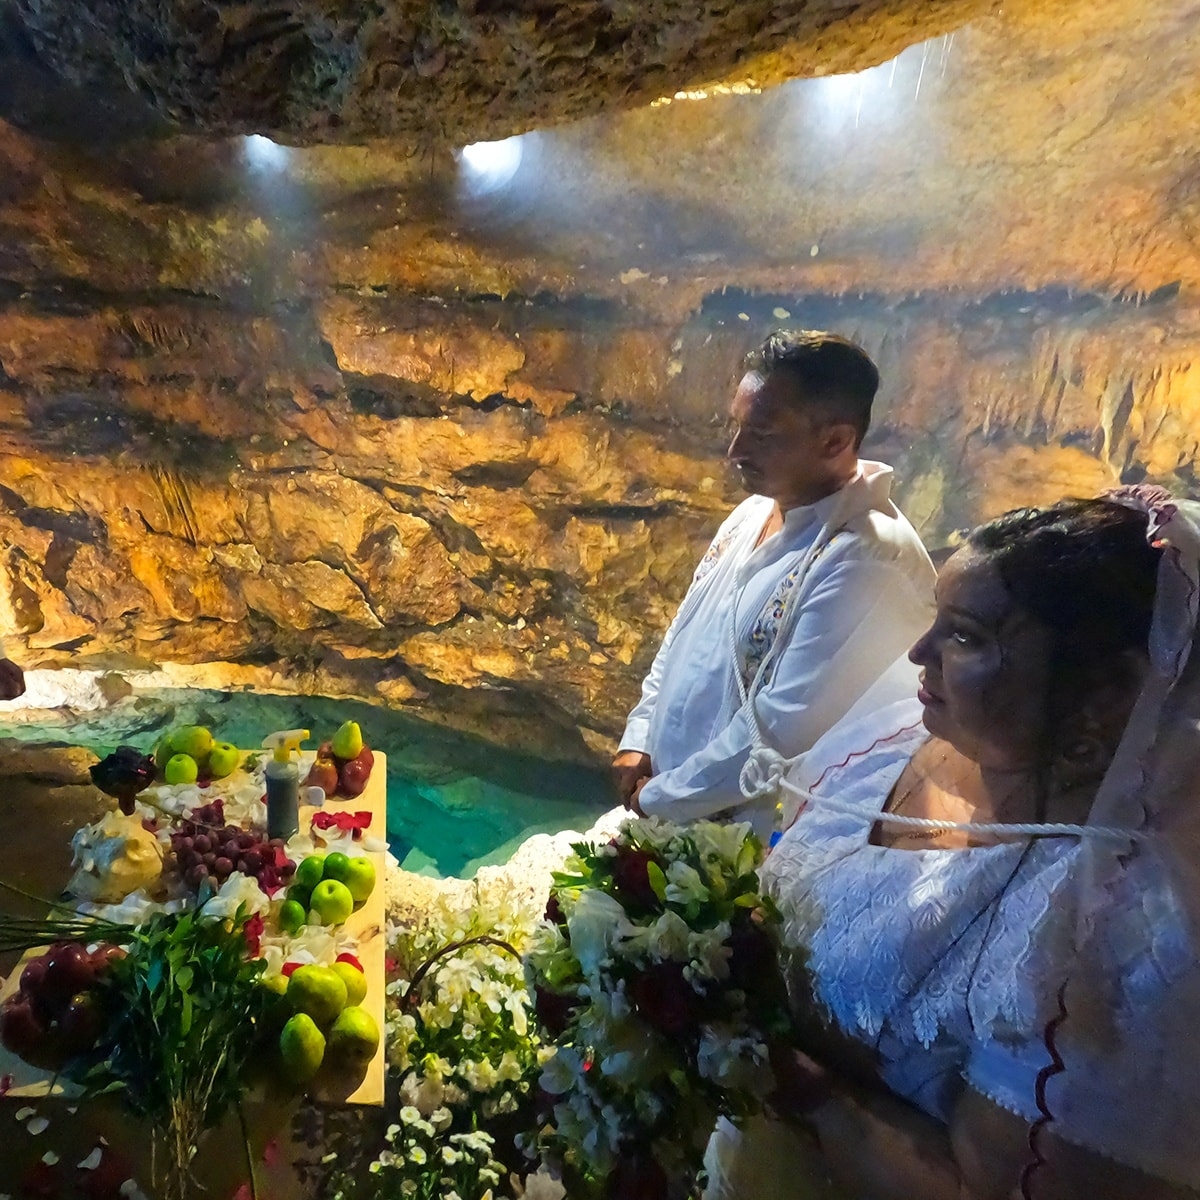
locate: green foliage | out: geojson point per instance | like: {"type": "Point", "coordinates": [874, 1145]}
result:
{"type": "Point", "coordinates": [188, 1011]}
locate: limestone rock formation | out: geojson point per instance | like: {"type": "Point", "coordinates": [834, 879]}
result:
{"type": "Point", "coordinates": [345, 420]}
{"type": "Point", "coordinates": [457, 70]}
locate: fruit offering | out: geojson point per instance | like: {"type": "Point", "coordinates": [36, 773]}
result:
{"type": "Point", "coordinates": [189, 753]}
{"type": "Point", "coordinates": [327, 1022]}
{"type": "Point", "coordinates": [123, 774]}
{"type": "Point", "coordinates": [57, 1010]}
{"type": "Point", "coordinates": [204, 847]}
{"type": "Point", "coordinates": [343, 763]}
{"type": "Point", "coordinates": [329, 888]}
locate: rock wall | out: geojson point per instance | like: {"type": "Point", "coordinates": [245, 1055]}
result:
{"type": "Point", "coordinates": [331, 422]}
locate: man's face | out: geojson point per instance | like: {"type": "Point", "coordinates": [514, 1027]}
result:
{"type": "Point", "coordinates": [778, 449]}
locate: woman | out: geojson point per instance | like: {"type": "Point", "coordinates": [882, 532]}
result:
{"type": "Point", "coordinates": [995, 973]}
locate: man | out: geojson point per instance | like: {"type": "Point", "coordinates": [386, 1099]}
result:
{"type": "Point", "coordinates": [817, 579]}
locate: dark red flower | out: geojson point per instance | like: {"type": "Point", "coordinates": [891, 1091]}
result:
{"type": "Point", "coordinates": [752, 955]}
{"type": "Point", "coordinates": [637, 1177]}
{"type": "Point", "coordinates": [664, 998]}
{"type": "Point", "coordinates": [554, 910]}
{"type": "Point", "coordinates": [632, 878]}
{"type": "Point", "coordinates": [252, 931]}
{"type": "Point", "coordinates": [554, 1009]}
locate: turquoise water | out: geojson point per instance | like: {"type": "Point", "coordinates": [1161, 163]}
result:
{"type": "Point", "coordinates": [455, 802]}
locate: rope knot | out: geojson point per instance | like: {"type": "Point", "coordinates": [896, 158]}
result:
{"type": "Point", "coordinates": [762, 774]}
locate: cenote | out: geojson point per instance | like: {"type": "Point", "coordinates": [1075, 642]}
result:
{"type": "Point", "coordinates": [455, 802]}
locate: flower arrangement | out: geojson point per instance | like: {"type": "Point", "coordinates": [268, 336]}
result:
{"type": "Point", "coordinates": [655, 978]}
{"type": "Point", "coordinates": [461, 1040]}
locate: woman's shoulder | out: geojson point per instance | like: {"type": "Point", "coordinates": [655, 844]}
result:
{"type": "Point", "coordinates": [862, 743]}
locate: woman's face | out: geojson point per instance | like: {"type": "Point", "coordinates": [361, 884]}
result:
{"type": "Point", "coordinates": [985, 676]}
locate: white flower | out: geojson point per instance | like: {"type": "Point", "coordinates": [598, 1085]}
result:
{"type": "Point", "coordinates": [410, 1114]}
{"type": "Point", "coordinates": [718, 842]}
{"type": "Point", "coordinates": [738, 1063]}
{"type": "Point", "coordinates": [544, 1186]}
{"type": "Point", "coordinates": [417, 1155]}
{"type": "Point", "coordinates": [709, 952]}
{"type": "Point", "coordinates": [683, 886]}
{"type": "Point", "coordinates": [667, 938]}
{"type": "Point", "coordinates": [562, 1072]}
{"type": "Point", "coordinates": [597, 924]}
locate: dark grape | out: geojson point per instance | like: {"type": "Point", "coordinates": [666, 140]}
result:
{"type": "Point", "coordinates": [69, 971]}
{"type": "Point", "coordinates": [222, 867]}
{"type": "Point", "coordinates": [246, 840]}
{"type": "Point", "coordinates": [209, 859]}
{"type": "Point", "coordinates": [287, 870]}
{"type": "Point", "coordinates": [184, 843]}
{"type": "Point", "coordinates": [33, 975]}
{"type": "Point", "coordinates": [229, 850]}
{"type": "Point", "coordinates": [203, 843]}
{"type": "Point", "coordinates": [252, 862]}
{"type": "Point", "coordinates": [188, 829]}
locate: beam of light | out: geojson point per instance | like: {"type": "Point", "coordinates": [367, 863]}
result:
{"type": "Point", "coordinates": [487, 166]}
{"type": "Point", "coordinates": [264, 154]}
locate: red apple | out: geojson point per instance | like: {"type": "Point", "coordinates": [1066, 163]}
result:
{"type": "Point", "coordinates": [324, 774]}
{"type": "Point", "coordinates": [81, 1023]}
{"type": "Point", "coordinates": [354, 774]}
{"type": "Point", "coordinates": [20, 1030]}
{"type": "Point", "coordinates": [69, 970]}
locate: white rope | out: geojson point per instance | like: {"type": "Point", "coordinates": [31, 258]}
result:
{"type": "Point", "coordinates": [762, 774]}
{"type": "Point", "coordinates": [995, 828]}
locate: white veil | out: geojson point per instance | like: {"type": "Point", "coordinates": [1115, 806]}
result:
{"type": "Point", "coordinates": [1125, 1046]}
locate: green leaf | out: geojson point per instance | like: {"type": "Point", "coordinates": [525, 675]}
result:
{"type": "Point", "coordinates": [658, 880]}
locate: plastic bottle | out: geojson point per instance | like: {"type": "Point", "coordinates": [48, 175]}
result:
{"type": "Point", "coordinates": [283, 782]}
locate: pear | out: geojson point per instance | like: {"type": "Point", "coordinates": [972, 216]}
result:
{"type": "Point", "coordinates": [347, 742]}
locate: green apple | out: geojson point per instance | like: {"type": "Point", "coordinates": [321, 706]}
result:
{"type": "Point", "coordinates": [318, 991]}
{"type": "Point", "coordinates": [337, 866]}
{"type": "Point", "coordinates": [355, 1036]}
{"type": "Point", "coordinates": [181, 768]}
{"type": "Point", "coordinates": [310, 872]}
{"type": "Point", "coordinates": [355, 981]}
{"type": "Point", "coordinates": [299, 895]}
{"type": "Point", "coordinates": [360, 878]}
{"type": "Point", "coordinates": [222, 759]}
{"type": "Point", "coordinates": [348, 741]}
{"type": "Point", "coordinates": [302, 1048]}
{"type": "Point", "coordinates": [164, 751]}
{"type": "Point", "coordinates": [332, 902]}
{"type": "Point", "coordinates": [196, 740]}
{"type": "Point", "coordinates": [292, 914]}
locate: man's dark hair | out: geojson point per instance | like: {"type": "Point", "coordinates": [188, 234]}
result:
{"type": "Point", "coordinates": [826, 371]}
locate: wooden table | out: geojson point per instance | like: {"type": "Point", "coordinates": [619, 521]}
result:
{"type": "Point", "coordinates": [367, 925]}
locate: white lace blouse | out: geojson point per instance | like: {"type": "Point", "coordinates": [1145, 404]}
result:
{"type": "Point", "coordinates": [949, 963]}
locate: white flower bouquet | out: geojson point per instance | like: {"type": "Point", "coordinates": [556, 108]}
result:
{"type": "Point", "coordinates": [462, 1044]}
{"type": "Point", "coordinates": [657, 984]}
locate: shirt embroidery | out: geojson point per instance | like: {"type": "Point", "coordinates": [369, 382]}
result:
{"type": "Point", "coordinates": [765, 630]}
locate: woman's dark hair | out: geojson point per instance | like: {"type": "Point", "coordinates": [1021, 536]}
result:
{"type": "Point", "coordinates": [1084, 569]}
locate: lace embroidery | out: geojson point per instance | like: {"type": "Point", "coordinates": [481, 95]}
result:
{"type": "Point", "coordinates": [958, 952]}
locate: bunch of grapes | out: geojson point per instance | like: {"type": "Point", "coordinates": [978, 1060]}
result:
{"type": "Point", "coordinates": [204, 847]}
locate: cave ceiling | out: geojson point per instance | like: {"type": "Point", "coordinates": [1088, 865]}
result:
{"type": "Point", "coordinates": [1045, 146]}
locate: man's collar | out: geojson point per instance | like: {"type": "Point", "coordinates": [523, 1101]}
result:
{"type": "Point", "coordinates": [871, 488]}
